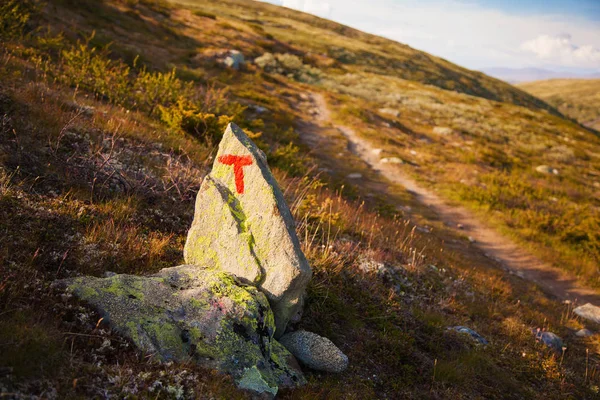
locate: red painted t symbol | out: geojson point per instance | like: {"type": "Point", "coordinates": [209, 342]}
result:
{"type": "Point", "coordinates": [238, 162]}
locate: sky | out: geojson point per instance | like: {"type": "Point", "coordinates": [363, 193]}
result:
{"type": "Point", "coordinates": [558, 35]}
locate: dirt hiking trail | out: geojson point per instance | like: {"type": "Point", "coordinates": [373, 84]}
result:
{"type": "Point", "coordinates": [506, 252]}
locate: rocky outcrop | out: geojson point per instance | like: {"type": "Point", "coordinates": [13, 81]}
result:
{"type": "Point", "coordinates": [193, 313]}
{"type": "Point", "coordinates": [315, 351]}
{"type": "Point", "coordinates": [243, 226]}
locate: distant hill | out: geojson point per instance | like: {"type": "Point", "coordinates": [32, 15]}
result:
{"type": "Point", "coordinates": [516, 75]}
{"type": "Point", "coordinates": [576, 98]}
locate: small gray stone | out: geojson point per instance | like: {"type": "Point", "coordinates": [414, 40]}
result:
{"type": "Point", "coordinates": [259, 109]}
{"type": "Point", "coordinates": [234, 59]}
{"type": "Point", "coordinates": [315, 351]}
{"type": "Point", "coordinates": [584, 333]}
{"type": "Point", "coordinates": [550, 339]}
{"type": "Point", "coordinates": [389, 111]}
{"type": "Point", "coordinates": [468, 331]}
{"type": "Point", "coordinates": [354, 176]}
{"type": "Point", "coordinates": [442, 130]}
{"type": "Point", "coordinates": [545, 169]}
{"type": "Point", "coordinates": [589, 311]}
{"type": "Point", "coordinates": [391, 160]}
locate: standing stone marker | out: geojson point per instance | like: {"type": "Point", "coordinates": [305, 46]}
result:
{"type": "Point", "coordinates": [245, 279]}
{"type": "Point", "coordinates": [243, 225]}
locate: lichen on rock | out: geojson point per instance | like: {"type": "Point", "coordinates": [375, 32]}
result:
{"type": "Point", "coordinates": [193, 313]}
{"type": "Point", "coordinates": [243, 225]}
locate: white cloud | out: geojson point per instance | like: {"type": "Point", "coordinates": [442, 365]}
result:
{"type": "Point", "coordinates": [561, 49]}
{"type": "Point", "coordinates": [316, 7]}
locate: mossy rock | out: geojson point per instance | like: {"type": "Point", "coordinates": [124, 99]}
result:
{"type": "Point", "coordinates": [193, 313]}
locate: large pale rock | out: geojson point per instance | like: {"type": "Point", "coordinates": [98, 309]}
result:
{"type": "Point", "coordinates": [243, 226]}
{"type": "Point", "coordinates": [314, 351]}
{"type": "Point", "coordinates": [589, 311]}
{"type": "Point", "coordinates": [200, 314]}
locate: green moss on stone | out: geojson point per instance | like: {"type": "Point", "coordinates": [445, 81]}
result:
{"type": "Point", "coordinates": [189, 312]}
{"type": "Point", "coordinates": [252, 379]}
{"type": "Point", "coordinates": [197, 303]}
{"type": "Point", "coordinates": [86, 293]}
{"type": "Point", "coordinates": [118, 287]}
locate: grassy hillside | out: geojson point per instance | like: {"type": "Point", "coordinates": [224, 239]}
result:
{"type": "Point", "coordinates": [339, 49]}
{"type": "Point", "coordinates": [485, 155]}
{"type": "Point", "coordinates": [576, 98]}
{"type": "Point", "coordinates": [109, 116]}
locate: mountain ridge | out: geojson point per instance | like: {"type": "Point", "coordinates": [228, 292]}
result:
{"type": "Point", "coordinates": [522, 75]}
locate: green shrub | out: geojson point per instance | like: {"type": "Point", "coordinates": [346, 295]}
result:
{"type": "Point", "coordinates": [156, 88]}
{"type": "Point", "coordinates": [287, 159]}
{"type": "Point", "coordinates": [289, 62]}
{"type": "Point", "coordinates": [14, 15]}
{"type": "Point", "coordinates": [93, 71]}
{"type": "Point", "coordinates": [267, 62]}
{"type": "Point", "coordinates": [186, 116]}
{"type": "Point", "coordinates": [290, 65]}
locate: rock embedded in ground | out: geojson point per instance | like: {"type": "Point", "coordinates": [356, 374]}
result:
{"type": "Point", "coordinates": [545, 169]}
{"type": "Point", "coordinates": [391, 160]}
{"type": "Point", "coordinates": [243, 226]}
{"type": "Point", "coordinates": [584, 333]}
{"type": "Point", "coordinates": [442, 130]}
{"type": "Point", "coordinates": [468, 331]}
{"type": "Point", "coordinates": [550, 339]}
{"type": "Point", "coordinates": [189, 313]}
{"type": "Point", "coordinates": [314, 351]}
{"type": "Point", "coordinates": [234, 59]}
{"type": "Point", "coordinates": [589, 312]}
{"type": "Point", "coordinates": [389, 111]}
{"type": "Point", "coordinates": [354, 176]}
